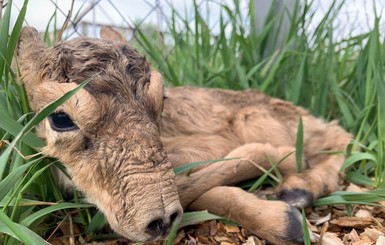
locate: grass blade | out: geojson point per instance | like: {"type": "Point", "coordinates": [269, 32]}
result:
{"type": "Point", "coordinates": [306, 233]}
{"type": "Point", "coordinates": [13, 127]}
{"type": "Point", "coordinates": [28, 221]}
{"type": "Point", "coordinates": [299, 145]}
{"type": "Point", "coordinates": [189, 166]}
{"type": "Point", "coordinates": [10, 181]}
{"type": "Point", "coordinates": [19, 232]}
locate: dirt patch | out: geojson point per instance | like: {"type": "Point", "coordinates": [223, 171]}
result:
{"type": "Point", "coordinates": [330, 225]}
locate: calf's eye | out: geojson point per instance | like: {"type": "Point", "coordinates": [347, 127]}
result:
{"type": "Point", "coordinates": [61, 122]}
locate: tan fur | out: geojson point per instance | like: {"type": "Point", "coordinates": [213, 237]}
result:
{"type": "Point", "coordinates": [126, 172]}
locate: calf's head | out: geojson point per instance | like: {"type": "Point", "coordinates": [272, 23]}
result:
{"type": "Point", "coordinates": [107, 134]}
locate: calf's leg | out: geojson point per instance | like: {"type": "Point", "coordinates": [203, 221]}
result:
{"type": "Point", "coordinates": [275, 221]}
{"type": "Point", "coordinates": [247, 161]}
{"type": "Point", "coordinates": [323, 176]}
{"type": "Point", "coordinates": [301, 189]}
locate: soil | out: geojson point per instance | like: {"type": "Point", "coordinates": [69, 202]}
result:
{"type": "Point", "coordinates": [329, 225]}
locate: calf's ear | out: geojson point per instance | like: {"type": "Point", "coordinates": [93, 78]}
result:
{"type": "Point", "coordinates": [108, 33]}
{"type": "Point", "coordinates": [38, 64]}
{"type": "Point", "coordinates": [153, 94]}
{"type": "Point", "coordinates": [29, 53]}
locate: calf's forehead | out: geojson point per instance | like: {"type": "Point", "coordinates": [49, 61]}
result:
{"type": "Point", "coordinates": [113, 67]}
{"type": "Point", "coordinates": [100, 52]}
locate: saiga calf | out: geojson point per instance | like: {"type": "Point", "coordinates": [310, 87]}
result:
{"type": "Point", "coordinates": [118, 136]}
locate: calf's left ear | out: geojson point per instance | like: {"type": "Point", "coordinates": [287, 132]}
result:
{"type": "Point", "coordinates": [152, 95]}
{"type": "Point", "coordinates": [29, 52]}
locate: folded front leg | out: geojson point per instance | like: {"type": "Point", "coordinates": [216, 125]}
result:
{"type": "Point", "coordinates": [275, 221]}
{"type": "Point", "coordinates": [246, 163]}
{"type": "Point", "coordinates": [301, 189]}
{"type": "Point", "coordinates": [323, 176]}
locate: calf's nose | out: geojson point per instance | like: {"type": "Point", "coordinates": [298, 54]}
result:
{"type": "Point", "coordinates": [160, 227]}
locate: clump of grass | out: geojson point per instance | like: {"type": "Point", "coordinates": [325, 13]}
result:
{"type": "Point", "coordinates": [341, 80]}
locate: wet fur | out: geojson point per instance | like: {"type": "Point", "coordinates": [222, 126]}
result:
{"type": "Point", "coordinates": [190, 124]}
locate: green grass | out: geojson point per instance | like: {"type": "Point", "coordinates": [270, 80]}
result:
{"type": "Point", "coordinates": [341, 80]}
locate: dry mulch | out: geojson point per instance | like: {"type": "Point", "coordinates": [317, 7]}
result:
{"type": "Point", "coordinates": [329, 225]}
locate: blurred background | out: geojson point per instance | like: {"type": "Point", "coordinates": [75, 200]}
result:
{"type": "Point", "coordinates": [354, 16]}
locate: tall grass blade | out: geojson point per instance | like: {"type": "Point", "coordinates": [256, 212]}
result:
{"type": "Point", "coordinates": [13, 40]}
{"type": "Point", "coordinates": [305, 228]}
{"type": "Point", "coordinates": [13, 127]}
{"type": "Point", "coordinates": [28, 221]}
{"type": "Point", "coordinates": [19, 232]}
{"type": "Point", "coordinates": [344, 197]}
{"type": "Point", "coordinates": [97, 223]}
{"type": "Point", "coordinates": [299, 145]}
{"type": "Point", "coordinates": [4, 30]}
{"type": "Point", "coordinates": [190, 166]}
{"type": "Point", "coordinates": [359, 179]}
{"type": "Point", "coordinates": [10, 181]}
{"type": "Point", "coordinates": [358, 157]}
{"type": "Point", "coordinates": [191, 218]}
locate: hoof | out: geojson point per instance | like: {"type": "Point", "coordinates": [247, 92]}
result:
{"type": "Point", "coordinates": [289, 230]}
{"type": "Point", "coordinates": [294, 232]}
{"type": "Point", "coordinates": [296, 197]}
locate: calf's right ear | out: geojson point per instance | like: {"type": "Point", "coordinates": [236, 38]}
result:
{"type": "Point", "coordinates": [108, 33]}
{"type": "Point", "coordinates": [153, 94]}
{"type": "Point", "coordinates": [29, 53]}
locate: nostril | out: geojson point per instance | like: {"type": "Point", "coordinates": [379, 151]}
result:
{"type": "Point", "coordinates": [155, 227]}
{"type": "Point", "coordinates": [174, 217]}
{"type": "Point", "coordinates": [160, 226]}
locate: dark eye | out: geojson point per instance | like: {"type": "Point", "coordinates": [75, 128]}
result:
{"type": "Point", "coordinates": [61, 122]}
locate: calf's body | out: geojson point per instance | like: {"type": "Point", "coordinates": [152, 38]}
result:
{"type": "Point", "coordinates": [120, 135]}
{"type": "Point", "coordinates": [254, 131]}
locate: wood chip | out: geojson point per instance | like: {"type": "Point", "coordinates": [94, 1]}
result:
{"type": "Point", "coordinates": [231, 228]}
{"type": "Point", "coordinates": [331, 239]}
{"type": "Point", "coordinates": [203, 240]}
{"type": "Point", "coordinates": [372, 233]}
{"type": "Point", "coordinates": [202, 231]}
{"type": "Point", "coordinates": [222, 239]}
{"type": "Point", "coordinates": [324, 229]}
{"type": "Point", "coordinates": [227, 243]}
{"type": "Point", "coordinates": [249, 241]}
{"type": "Point", "coordinates": [351, 237]}
{"type": "Point", "coordinates": [324, 219]}
{"type": "Point", "coordinates": [354, 188]}
{"type": "Point", "coordinates": [178, 238]}
{"type": "Point", "coordinates": [380, 240]}
{"type": "Point", "coordinates": [362, 213]}
{"type": "Point", "coordinates": [352, 222]}
{"type": "Point", "coordinates": [252, 240]}
{"type": "Point", "coordinates": [213, 228]}
{"type": "Point", "coordinates": [364, 241]}
{"type": "Point", "coordinates": [190, 240]}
